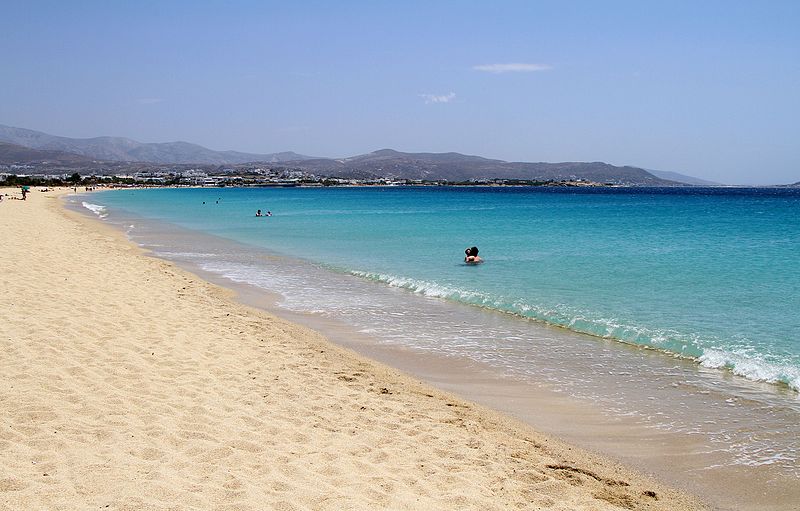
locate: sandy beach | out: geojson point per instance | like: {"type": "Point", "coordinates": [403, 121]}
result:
{"type": "Point", "coordinates": [128, 383]}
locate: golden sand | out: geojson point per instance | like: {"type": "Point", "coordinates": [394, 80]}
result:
{"type": "Point", "coordinates": [127, 383]}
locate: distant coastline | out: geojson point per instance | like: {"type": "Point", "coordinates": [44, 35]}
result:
{"type": "Point", "coordinates": [176, 181]}
{"type": "Point", "coordinates": [52, 160]}
{"type": "Point", "coordinates": [30, 152]}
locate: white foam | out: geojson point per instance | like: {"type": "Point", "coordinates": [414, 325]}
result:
{"type": "Point", "coordinates": [745, 365]}
{"type": "Point", "coordinates": [751, 367]}
{"type": "Point", "coordinates": [429, 289]}
{"type": "Point", "coordinates": [96, 209]}
{"type": "Point", "coordinates": [186, 255]}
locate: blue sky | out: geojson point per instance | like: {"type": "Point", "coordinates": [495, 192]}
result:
{"type": "Point", "coordinates": [710, 89]}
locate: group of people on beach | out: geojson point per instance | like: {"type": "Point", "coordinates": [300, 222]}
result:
{"type": "Point", "coordinates": [23, 192]}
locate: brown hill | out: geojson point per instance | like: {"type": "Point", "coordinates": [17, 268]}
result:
{"type": "Point", "coordinates": [460, 167]}
{"type": "Point", "coordinates": [125, 149]}
{"type": "Point", "coordinates": [13, 154]}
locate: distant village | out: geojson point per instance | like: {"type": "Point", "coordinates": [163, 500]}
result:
{"type": "Point", "coordinates": [240, 175]}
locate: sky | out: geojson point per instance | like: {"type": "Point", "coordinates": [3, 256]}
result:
{"type": "Point", "coordinates": [709, 89]}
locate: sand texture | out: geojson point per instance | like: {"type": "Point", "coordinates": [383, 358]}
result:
{"type": "Point", "coordinates": [127, 383]}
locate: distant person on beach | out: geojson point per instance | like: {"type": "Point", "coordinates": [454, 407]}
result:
{"type": "Point", "coordinates": [471, 256]}
{"type": "Point", "coordinates": [258, 213]}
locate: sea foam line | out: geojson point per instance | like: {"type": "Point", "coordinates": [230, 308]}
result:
{"type": "Point", "coordinates": [668, 341]}
{"type": "Point", "coordinates": [96, 209]}
{"type": "Point", "coordinates": [751, 367]}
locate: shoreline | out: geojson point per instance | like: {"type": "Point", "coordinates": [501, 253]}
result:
{"type": "Point", "coordinates": [645, 433]}
{"type": "Point", "coordinates": [92, 415]}
{"type": "Point", "coordinates": [726, 370]}
{"type": "Point", "coordinates": [673, 457]}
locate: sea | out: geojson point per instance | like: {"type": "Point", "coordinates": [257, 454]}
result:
{"type": "Point", "coordinates": [676, 308]}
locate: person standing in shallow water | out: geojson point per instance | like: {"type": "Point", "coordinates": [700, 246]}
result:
{"type": "Point", "coordinates": [471, 256]}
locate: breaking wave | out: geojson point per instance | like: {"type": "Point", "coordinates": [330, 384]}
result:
{"type": "Point", "coordinates": [96, 209]}
{"type": "Point", "coordinates": [702, 350]}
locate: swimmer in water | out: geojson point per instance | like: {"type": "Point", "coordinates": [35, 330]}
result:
{"type": "Point", "coordinates": [258, 213]}
{"type": "Point", "coordinates": [471, 256]}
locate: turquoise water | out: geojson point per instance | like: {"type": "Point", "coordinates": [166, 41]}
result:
{"type": "Point", "coordinates": [708, 274]}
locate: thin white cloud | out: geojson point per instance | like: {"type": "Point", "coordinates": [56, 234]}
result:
{"type": "Point", "coordinates": [516, 67]}
{"type": "Point", "coordinates": [438, 98]}
{"type": "Point", "coordinates": [149, 101]}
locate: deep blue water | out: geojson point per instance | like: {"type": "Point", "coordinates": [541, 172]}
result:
{"type": "Point", "coordinates": [711, 274]}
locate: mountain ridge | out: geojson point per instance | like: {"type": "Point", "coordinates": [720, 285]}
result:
{"type": "Point", "coordinates": [382, 163]}
{"type": "Point", "coordinates": [17, 154]}
{"type": "Point", "coordinates": [682, 178]}
{"type": "Point", "coordinates": [392, 164]}
{"type": "Point", "coordinates": [126, 149]}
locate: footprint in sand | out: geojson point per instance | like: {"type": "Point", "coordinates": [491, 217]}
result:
{"type": "Point", "coordinates": [11, 484]}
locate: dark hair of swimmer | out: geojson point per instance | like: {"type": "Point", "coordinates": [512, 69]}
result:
{"type": "Point", "coordinates": [473, 251]}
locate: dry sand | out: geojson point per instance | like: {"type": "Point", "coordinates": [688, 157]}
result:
{"type": "Point", "coordinates": [127, 383]}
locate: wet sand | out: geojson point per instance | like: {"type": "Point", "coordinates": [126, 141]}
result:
{"type": "Point", "coordinates": [129, 383]}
